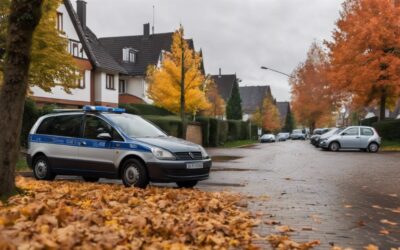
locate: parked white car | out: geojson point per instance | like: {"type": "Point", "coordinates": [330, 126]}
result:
{"type": "Point", "coordinates": [354, 137]}
{"type": "Point", "coordinates": [267, 138]}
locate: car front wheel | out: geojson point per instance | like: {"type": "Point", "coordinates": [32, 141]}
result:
{"type": "Point", "coordinates": [373, 147]}
{"type": "Point", "coordinates": [334, 146]}
{"type": "Point", "coordinates": [186, 184]}
{"type": "Point", "coordinates": [42, 170]}
{"type": "Point", "coordinates": [134, 174]}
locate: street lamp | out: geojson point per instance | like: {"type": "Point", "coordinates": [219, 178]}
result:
{"type": "Point", "coordinates": [277, 71]}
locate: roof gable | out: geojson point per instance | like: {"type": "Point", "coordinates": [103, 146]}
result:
{"type": "Point", "coordinates": [284, 109]}
{"type": "Point", "coordinates": [253, 97]}
{"type": "Point", "coordinates": [148, 50]}
{"type": "Point", "coordinates": [225, 85]}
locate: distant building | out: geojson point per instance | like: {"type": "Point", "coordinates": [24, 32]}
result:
{"type": "Point", "coordinates": [252, 98]}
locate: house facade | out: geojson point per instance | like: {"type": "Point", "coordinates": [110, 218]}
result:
{"type": "Point", "coordinates": [113, 69]}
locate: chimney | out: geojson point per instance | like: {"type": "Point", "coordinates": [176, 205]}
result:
{"type": "Point", "coordinates": [220, 73]}
{"type": "Point", "coordinates": [146, 29]}
{"type": "Point", "coordinates": [81, 11]}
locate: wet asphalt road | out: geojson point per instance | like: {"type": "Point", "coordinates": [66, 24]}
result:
{"type": "Point", "coordinates": [339, 198]}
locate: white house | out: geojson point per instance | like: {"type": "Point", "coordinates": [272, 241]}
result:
{"type": "Point", "coordinates": [113, 68]}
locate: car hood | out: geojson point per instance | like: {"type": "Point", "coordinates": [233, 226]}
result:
{"type": "Point", "coordinates": [170, 143]}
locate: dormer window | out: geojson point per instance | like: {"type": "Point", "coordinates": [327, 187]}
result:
{"type": "Point", "coordinates": [129, 55]}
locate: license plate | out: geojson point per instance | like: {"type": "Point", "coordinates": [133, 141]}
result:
{"type": "Point", "coordinates": [194, 165]}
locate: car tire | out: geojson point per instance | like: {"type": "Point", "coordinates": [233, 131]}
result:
{"type": "Point", "coordinates": [186, 184]}
{"type": "Point", "coordinates": [91, 179]}
{"type": "Point", "coordinates": [373, 147]}
{"type": "Point", "coordinates": [134, 174]}
{"type": "Point", "coordinates": [334, 146]}
{"type": "Point", "coordinates": [42, 170]}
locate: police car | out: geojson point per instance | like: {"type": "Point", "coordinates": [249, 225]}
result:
{"type": "Point", "coordinates": [102, 142]}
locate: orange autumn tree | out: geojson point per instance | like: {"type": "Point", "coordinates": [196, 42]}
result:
{"type": "Point", "coordinates": [217, 103]}
{"type": "Point", "coordinates": [365, 54]}
{"type": "Point", "coordinates": [271, 120]}
{"type": "Point", "coordinates": [312, 98]}
{"type": "Point", "coordinates": [165, 81]}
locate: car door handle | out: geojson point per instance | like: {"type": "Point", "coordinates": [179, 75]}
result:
{"type": "Point", "coordinates": [357, 137]}
{"type": "Point", "coordinates": [83, 143]}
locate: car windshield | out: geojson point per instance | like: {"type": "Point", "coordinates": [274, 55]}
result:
{"type": "Point", "coordinates": [297, 131]}
{"type": "Point", "coordinates": [135, 126]}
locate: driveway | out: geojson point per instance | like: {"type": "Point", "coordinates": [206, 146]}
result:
{"type": "Point", "coordinates": [349, 199]}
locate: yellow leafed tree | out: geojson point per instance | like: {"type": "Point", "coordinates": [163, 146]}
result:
{"type": "Point", "coordinates": [217, 103]}
{"type": "Point", "coordinates": [271, 118]}
{"type": "Point", "coordinates": [166, 80]}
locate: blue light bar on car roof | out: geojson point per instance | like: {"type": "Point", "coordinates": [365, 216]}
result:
{"type": "Point", "coordinates": [88, 108]}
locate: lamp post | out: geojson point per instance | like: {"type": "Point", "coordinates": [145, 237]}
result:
{"type": "Point", "coordinates": [276, 71]}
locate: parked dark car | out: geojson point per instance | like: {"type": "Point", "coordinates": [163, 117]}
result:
{"type": "Point", "coordinates": [317, 133]}
{"type": "Point", "coordinates": [298, 134]}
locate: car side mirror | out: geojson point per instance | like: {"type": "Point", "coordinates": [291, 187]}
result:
{"type": "Point", "coordinates": [104, 136]}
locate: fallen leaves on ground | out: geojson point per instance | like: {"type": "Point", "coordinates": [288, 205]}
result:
{"type": "Point", "coordinates": [284, 229]}
{"type": "Point", "coordinates": [67, 214]}
{"type": "Point", "coordinates": [388, 222]}
{"type": "Point", "coordinates": [283, 242]}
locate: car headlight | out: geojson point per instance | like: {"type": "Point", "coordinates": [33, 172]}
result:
{"type": "Point", "coordinates": [204, 153]}
{"type": "Point", "coordinates": [162, 154]}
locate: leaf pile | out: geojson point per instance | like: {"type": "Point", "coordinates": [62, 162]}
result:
{"type": "Point", "coordinates": [65, 215]}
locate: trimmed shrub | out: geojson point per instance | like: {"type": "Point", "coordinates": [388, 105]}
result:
{"type": "Point", "coordinates": [369, 121]}
{"type": "Point", "coordinates": [146, 109]}
{"type": "Point", "coordinates": [205, 127]}
{"type": "Point", "coordinates": [234, 130]}
{"type": "Point", "coordinates": [244, 131]}
{"type": "Point", "coordinates": [172, 125]}
{"type": "Point", "coordinates": [223, 131]}
{"type": "Point", "coordinates": [388, 129]}
{"type": "Point", "coordinates": [254, 132]}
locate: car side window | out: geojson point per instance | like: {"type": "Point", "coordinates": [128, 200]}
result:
{"type": "Point", "coordinates": [350, 132]}
{"type": "Point", "coordinates": [65, 125]}
{"type": "Point", "coordinates": [95, 126]}
{"type": "Point", "coordinates": [367, 131]}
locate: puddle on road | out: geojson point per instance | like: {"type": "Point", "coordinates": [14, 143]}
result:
{"type": "Point", "coordinates": [224, 158]}
{"type": "Point", "coordinates": [233, 169]}
{"type": "Point", "coordinates": [222, 184]}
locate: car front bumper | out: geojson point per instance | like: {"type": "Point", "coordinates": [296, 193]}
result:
{"type": "Point", "coordinates": [172, 171]}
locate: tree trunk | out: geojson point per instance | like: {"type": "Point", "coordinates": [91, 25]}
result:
{"type": "Point", "coordinates": [23, 19]}
{"type": "Point", "coordinates": [382, 106]}
{"type": "Point", "coordinates": [183, 117]}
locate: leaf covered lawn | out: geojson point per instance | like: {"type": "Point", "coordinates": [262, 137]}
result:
{"type": "Point", "coordinates": [68, 214]}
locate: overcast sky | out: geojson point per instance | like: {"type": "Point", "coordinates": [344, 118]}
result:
{"type": "Point", "coordinates": [236, 35]}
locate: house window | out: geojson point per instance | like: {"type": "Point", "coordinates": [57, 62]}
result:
{"type": "Point", "coordinates": [122, 86]}
{"type": "Point", "coordinates": [81, 80]}
{"type": "Point", "coordinates": [110, 81]}
{"type": "Point", "coordinates": [75, 49]}
{"type": "Point", "coordinates": [60, 21]}
{"type": "Point", "coordinates": [128, 55]}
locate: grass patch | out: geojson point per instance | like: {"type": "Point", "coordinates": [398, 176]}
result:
{"type": "Point", "coordinates": [388, 145]}
{"type": "Point", "coordinates": [240, 143]}
{"type": "Point", "coordinates": [22, 165]}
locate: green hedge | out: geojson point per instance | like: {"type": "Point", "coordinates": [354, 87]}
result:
{"type": "Point", "coordinates": [388, 129]}
{"type": "Point", "coordinates": [244, 131]}
{"type": "Point", "coordinates": [172, 125]}
{"type": "Point", "coordinates": [234, 130]}
{"type": "Point", "coordinates": [369, 121]}
{"type": "Point", "coordinates": [146, 109]}
{"type": "Point", "coordinates": [254, 132]}
{"type": "Point", "coordinates": [218, 132]}
{"type": "Point", "coordinates": [31, 113]}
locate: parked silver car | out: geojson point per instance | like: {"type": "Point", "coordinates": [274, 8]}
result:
{"type": "Point", "coordinates": [354, 137]}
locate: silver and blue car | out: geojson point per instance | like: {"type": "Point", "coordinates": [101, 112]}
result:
{"type": "Point", "coordinates": [354, 137]}
{"type": "Point", "coordinates": [102, 142]}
